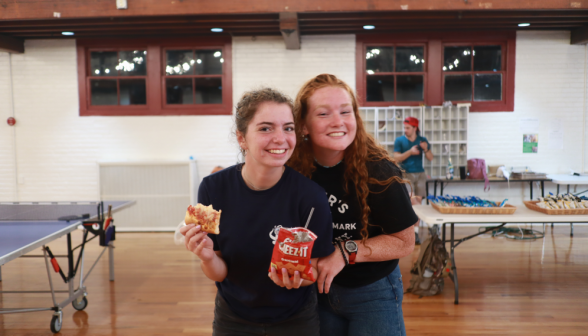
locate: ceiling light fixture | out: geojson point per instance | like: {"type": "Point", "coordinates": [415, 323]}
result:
{"type": "Point", "coordinates": [524, 24]}
{"type": "Point", "coordinates": [216, 30]}
{"type": "Point", "coordinates": [67, 33]}
{"type": "Point", "coordinates": [369, 27]}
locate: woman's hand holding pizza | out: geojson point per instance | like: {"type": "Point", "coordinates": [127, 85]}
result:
{"type": "Point", "coordinates": [296, 281]}
{"type": "Point", "coordinates": [198, 242]}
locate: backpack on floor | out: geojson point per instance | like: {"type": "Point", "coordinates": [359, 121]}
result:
{"type": "Point", "coordinates": [430, 268]}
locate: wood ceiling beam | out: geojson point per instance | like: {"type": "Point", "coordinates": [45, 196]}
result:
{"type": "Point", "coordinates": [433, 27]}
{"type": "Point", "coordinates": [228, 28]}
{"type": "Point", "coordinates": [211, 20]}
{"type": "Point", "coordinates": [43, 9]}
{"type": "Point", "coordinates": [11, 45]}
{"type": "Point", "coordinates": [382, 23]}
{"type": "Point", "coordinates": [290, 31]}
{"type": "Point", "coordinates": [579, 36]}
{"type": "Point", "coordinates": [444, 14]}
{"type": "Point", "coordinates": [253, 26]}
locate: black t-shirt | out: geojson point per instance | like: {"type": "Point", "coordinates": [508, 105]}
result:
{"type": "Point", "coordinates": [248, 224]}
{"type": "Point", "coordinates": [391, 212]}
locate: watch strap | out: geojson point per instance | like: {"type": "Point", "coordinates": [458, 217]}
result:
{"type": "Point", "coordinates": [352, 256]}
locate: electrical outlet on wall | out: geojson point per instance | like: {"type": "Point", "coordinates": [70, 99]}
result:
{"type": "Point", "coordinates": [121, 4]}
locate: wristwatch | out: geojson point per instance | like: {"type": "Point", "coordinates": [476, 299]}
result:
{"type": "Point", "coordinates": [351, 248]}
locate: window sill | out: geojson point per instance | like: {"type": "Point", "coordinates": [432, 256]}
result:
{"type": "Point", "coordinates": [134, 111]}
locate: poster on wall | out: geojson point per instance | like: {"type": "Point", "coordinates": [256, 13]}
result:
{"type": "Point", "coordinates": [530, 143]}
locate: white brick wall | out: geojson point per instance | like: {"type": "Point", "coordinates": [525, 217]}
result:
{"type": "Point", "coordinates": [264, 61]}
{"type": "Point", "coordinates": [57, 150]}
{"type": "Point", "coordinates": [549, 85]}
{"type": "Point", "coordinates": [7, 167]}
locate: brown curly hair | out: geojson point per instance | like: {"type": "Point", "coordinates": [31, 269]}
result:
{"type": "Point", "coordinates": [364, 148]}
{"type": "Point", "coordinates": [250, 101]}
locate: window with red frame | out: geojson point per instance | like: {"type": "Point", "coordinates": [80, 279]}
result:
{"type": "Point", "coordinates": [118, 77]}
{"type": "Point", "coordinates": [187, 76]}
{"type": "Point", "coordinates": [431, 68]}
{"type": "Point", "coordinates": [193, 76]}
{"type": "Point", "coordinates": [472, 73]}
{"type": "Point", "coordinates": [395, 73]}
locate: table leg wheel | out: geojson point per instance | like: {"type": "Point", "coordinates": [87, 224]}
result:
{"type": "Point", "coordinates": [55, 324]}
{"type": "Point", "coordinates": [81, 305]}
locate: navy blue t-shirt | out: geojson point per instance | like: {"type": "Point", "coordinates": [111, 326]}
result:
{"type": "Point", "coordinates": [248, 230]}
{"type": "Point", "coordinates": [414, 163]}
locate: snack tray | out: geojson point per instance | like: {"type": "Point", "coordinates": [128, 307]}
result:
{"type": "Point", "coordinates": [507, 209]}
{"type": "Point", "coordinates": [532, 205]}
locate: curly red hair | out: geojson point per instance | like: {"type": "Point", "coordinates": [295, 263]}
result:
{"type": "Point", "coordinates": [364, 148]}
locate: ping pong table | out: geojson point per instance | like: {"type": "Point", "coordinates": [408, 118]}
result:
{"type": "Point", "coordinates": [27, 226]}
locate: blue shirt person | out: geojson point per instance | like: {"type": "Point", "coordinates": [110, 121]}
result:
{"type": "Point", "coordinates": [408, 151]}
{"type": "Point", "coordinates": [414, 163]}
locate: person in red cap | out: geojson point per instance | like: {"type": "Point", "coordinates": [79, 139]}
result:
{"type": "Point", "coordinates": [408, 151]}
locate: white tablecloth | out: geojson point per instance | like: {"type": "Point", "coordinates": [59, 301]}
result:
{"type": "Point", "coordinates": [568, 179]}
{"type": "Point", "coordinates": [522, 215]}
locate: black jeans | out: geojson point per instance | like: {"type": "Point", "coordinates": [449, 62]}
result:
{"type": "Point", "coordinates": [304, 323]}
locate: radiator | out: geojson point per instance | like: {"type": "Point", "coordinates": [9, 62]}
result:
{"type": "Point", "coordinates": [162, 192]}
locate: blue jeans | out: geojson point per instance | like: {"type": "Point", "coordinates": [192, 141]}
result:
{"type": "Point", "coordinates": [374, 309]}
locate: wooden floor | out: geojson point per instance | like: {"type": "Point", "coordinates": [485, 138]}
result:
{"type": "Point", "coordinates": [506, 288]}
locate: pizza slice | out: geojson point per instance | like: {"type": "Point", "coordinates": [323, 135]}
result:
{"type": "Point", "coordinates": [205, 216]}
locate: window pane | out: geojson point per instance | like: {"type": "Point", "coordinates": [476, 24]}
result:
{"type": "Point", "coordinates": [179, 62]}
{"type": "Point", "coordinates": [379, 59]}
{"type": "Point", "coordinates": [103, 92]}
{"type": "Point", "coordinates": [179, 90]}
{"type": "Point", "coordinates": [380, 88]}
{"type": "Point", "coordinates": [487, 58]}
{"type": "Point", "coordinates": [457, 59]}
{"type": "Point", "coordinates": [103, 63]}
{"type": "Point", "coordinates": [132, 63]}
{"type": "Point", "coordinates": [458, 87]}
{"type": "Point", "coordinates": [409, 88]}
{"type": "Point", "coordinates": [209, 62]}
{"type": "Point", "coordinates": [132, 92]}
{"type": "Point", "coordinates": [410, 59]}
{"type": "Point", "coordinates": [488, 87]}
{"type": "Point", "coordinates": [209, 91]}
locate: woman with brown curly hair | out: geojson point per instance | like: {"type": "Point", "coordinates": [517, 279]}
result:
{"type": "Point", "coordinates": [360, 281]}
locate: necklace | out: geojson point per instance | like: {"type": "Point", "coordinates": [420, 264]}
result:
{"type": "Point", "coordinates": [249, 184]}
{"type": "Point", "coordinates": [327, 166]}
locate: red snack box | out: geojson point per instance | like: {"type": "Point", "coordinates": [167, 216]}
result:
{"type": "Point", "coordinates": [292, 251]}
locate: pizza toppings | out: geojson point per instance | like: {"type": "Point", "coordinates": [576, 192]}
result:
{"type": "Point", "coordinates": [205, 216]}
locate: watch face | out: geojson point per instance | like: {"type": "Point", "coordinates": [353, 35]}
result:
{"type": "Point", "coordinates": [350, 246]}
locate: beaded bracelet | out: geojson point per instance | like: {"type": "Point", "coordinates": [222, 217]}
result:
{"type": "Point", "coordinates": [343, 253]}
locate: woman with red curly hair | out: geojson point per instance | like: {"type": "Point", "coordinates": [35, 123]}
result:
{"type": "Point", "coordinates": [360, 282]}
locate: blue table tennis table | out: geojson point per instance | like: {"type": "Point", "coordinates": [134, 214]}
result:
{"type": "Point", "coordinates": [28, 226]}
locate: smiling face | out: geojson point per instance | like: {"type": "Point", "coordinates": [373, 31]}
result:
{"type": "Point", "coordinates": [330, 123]}
{"type": "Point", "coordinates": [270, 137]}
